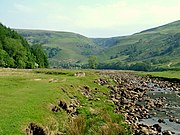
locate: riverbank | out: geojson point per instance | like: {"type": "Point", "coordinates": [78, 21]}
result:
{"type": "Point", "coordinates": [131, 95]}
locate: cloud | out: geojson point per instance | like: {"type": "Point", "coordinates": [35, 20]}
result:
{"type": "Point", "coordinates": [98, 18]}
{"type": "Point", "coordinates": [165, 12]}
{"type": "Point", "coordinates": [124, 13]}
{"type": "Point", "coordinates": [106, 16]}
{"type": "Point", "coordinates": [23, 8]}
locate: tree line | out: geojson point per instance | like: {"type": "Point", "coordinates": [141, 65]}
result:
{"type": "Point", "coordinates": [118, 65]}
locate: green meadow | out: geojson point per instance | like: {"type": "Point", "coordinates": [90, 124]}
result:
{"type": "Point", "coordinates": [25, 97]}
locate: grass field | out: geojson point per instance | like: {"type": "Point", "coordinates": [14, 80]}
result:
{"type": "Point", "coordinates": [25, 96]}
{"type": "Point", "coordinates": [165, 74]}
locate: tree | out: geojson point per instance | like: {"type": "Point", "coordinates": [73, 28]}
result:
{"type": "Point", "coordinates": [92, 62]}
{"type": "Point", "coordinates": [15, 52]}
{"type": "Point", "coordinates": [40, 56]}
{"type": "Point", "coordinates": [141, 66]}
{"type": "Point", "coordinates": [5, 59]}
{"type": "Point", "coordinates": [1, 46]}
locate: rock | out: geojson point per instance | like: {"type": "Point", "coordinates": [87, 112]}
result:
{"type": "Point", "coordinates": [145, 130]}
{"type": "Point", "coordinates": [80, 74]}
{"type": "Point", "coordinates": [167, 132]}
{"type": "Point", "coordinates": [171, 119]}
{"type": "Point", "coordinates": [177, 121]}
{"type": "Point", "coordinates": [130, 96]}
{"type": "Point", "coordinates": [75, 102]}
{"type": "Point", "coordinates": [86, 88]}
{"type": "Point", "coordinates": [62, 104]}
{"type": "Point", "coordinates": [34, 129]}
{"type": "Point", "coordinates": [54, 108]}
{"type": "Point", "coordinates": [124, 101]}
{"type": "Point", "coordinates": [95, 88]}
{"type": "Point", "coordinates": [114, 100]}
{"type": "Point", "coordinates": [161, 121]}
{"type": "Point", "coordinates": [154, 113]}
{"type": "Point", "coordinates": [153, 132]}
{"type": "Point", "coordinates": [53, 80]}
{"type": "Point", "coordinates": [70, 110]}
{"type": "Point", "coordinates": [101, 81]}
{"type": "Point", "coordinates": [98, 99]}
{"type": "Point", "coordinates": [158, 127]}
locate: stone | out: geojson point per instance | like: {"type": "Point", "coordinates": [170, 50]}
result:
{"type": "Point", "coordinates": [70, 110]}
{"type": "Point", "coordinates": [177, 121]}
{"type": "Point", "coordinates": [114, 100]}
{"type": "Point", "coordinates": [80, 74]}
{"type": "Point", "coordinates": [167, 132]}
{"type": "Point", "coordinates": [161, 121]}
{"type": "Point", "coordinates": [54, 108]}
{"type": "Point", "coordinates": [158, 127]}
{"type": "Point", "coordinates": [171, 119]}
{"type": "Point", "coordinates": [34, 129]}
{"type": "Point", "coordinates": [62, 104]}
{"type": "Point", "coordinates": [145, 130]}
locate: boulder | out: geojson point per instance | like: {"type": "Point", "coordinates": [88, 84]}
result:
{"type": "Point", "coordinates": [80, 74]}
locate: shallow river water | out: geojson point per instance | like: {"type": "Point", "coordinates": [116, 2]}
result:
{"type": "Point", "coordinates": [171, 110]}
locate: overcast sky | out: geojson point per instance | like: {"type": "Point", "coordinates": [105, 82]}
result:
{"type": "Point", "coordinates": [92, 18]}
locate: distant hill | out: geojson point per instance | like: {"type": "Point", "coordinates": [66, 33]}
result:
{"type": "Point", "coordinates": [165, 29]}
{"type": "Point", "coordinates": [63, 48]}
{"type": "Point", "coordinates": [156, 47]}
{"type": "Point", "coordinates": [15, 52]}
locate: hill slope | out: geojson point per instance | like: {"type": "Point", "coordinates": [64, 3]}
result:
{"type": "Point", "coordinates": [158, 47]}
{"type": "Point", "coordinates": [63, 48]}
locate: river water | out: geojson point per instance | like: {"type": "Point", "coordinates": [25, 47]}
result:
{"type": "Point", "coordinates": [169, 112]}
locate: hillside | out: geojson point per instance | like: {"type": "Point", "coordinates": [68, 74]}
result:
{"type": "Point", "coordinates": [15, 52]}
{"type": "Point", "coordinates": [156, 47]}
{"type": "Point", "coordinates": [63, 48]}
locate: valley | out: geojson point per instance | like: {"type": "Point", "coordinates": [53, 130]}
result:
{"type": "Point", "coordinates": [150, 50]}
{"type": "Point", "coordinates": [89, 67]}
{"type": "Point", "coordinates": [56, 83]}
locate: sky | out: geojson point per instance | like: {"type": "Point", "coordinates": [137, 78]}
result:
{"type": "Point", "coordinates": [91, 18]}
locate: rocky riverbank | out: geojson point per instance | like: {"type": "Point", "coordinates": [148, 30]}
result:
{"type": "Point", "coordinates": [133, 97]}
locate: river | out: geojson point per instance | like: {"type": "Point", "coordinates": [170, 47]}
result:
{"type": "Point", "coordinates": [169, 114]}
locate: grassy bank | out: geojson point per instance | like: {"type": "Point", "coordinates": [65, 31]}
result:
{"type": "Point", "coordinates": [165, 74]}
{"type": "Point", "coordinates": [25, 97]}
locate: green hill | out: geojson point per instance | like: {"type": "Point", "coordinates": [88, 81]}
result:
{"type": "Point", "coordinates": [156, 47]}
{"type": "Point", "coordinates": [63, 48]}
